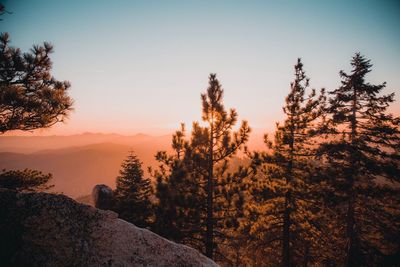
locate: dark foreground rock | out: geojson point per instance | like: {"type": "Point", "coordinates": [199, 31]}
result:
{"type": "Point", "coordinates": [40, 229]}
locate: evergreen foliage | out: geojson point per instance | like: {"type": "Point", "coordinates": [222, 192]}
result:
{"type": "Point", "coordinates": [25, 180]}
{"type": "Point", "coordinates": [361, 156]}
{"type": "Point", "coordinates": [3, 11]}
{"type": "Point", "coordinates": [133, 192]}
{"type": "Point", "coordinates": [284, 198]}
{"type": "Point", "coordinates": [198, 195]}
{"type": "Point", "coordinates": [324, 193]}
{"type": "Point", "coordinates": [30, 97]}
{"type": "Point", "coordinates": [181, 206]}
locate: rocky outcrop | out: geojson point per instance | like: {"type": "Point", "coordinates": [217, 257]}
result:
{"type": "Point", "coordinates": [102, 197]}
{"type": "Point", "coordinates": [40, 229]}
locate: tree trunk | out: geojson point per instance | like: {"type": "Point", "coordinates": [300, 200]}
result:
{"type": "Point", "coordinates": [286, 233]}
{"type": "Point", "coordinates": [352, 250]}
{"type": "Point", "coordinates": [306, 254]}
{"type": "Point", "coordinates": [352, 246]}
{"type": "Point", "coordinates": [286, 216]}
{"type": "Point", "coordinates": [210, 204]}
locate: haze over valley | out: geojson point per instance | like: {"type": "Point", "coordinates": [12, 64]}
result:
{"type": "Point", "coordinates": [78, 162]}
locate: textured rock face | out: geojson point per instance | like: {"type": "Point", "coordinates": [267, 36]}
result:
{"type": "Point", "coordinates": [39, 229]}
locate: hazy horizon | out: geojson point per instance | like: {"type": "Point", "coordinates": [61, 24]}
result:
{"type": "Point", "coordinates": [78, 162]}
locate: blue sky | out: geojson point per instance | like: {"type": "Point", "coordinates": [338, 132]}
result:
{"type": "Point", "coordinates": [140, 66]}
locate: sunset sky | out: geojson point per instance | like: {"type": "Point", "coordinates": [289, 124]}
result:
{"type": "Point", "coordinates": [140, 66]}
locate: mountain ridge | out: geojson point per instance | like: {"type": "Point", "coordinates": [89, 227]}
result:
{"type": "Point", "coordinates": [77, 169]}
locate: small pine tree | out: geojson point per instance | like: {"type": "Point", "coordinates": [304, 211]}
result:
{"type": "Point", "coordinates": [133, 192]}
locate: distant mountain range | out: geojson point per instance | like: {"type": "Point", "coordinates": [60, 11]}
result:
{"type": "Point", "coordinates": [78, 162]}
{"type": "Point", "coordinates": [29, 144]}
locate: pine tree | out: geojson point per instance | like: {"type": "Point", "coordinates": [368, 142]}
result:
{"type": "Point", "coordinates": [30, 97]}
{"type": "Point", "coordinates": [362, 155]}
{"type": "Point", "coordinates": [208, 194]}
{"type": "Point", "coordinates": [283, 195]}
{"type": "Point", "coordinates": [133, 193]}
{"type": "Point", "coordinates": [222, 145]}
{"type": "Point", "coordinates": [3, 11]}
{"type": "Point", "coordinates": [25, 180]}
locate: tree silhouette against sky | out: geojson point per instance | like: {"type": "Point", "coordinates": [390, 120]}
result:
{"type": "Point", "coordinates": [30, 97]}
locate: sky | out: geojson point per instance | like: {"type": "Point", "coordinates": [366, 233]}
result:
{"type": "Point", "coordinates": [140, 66]}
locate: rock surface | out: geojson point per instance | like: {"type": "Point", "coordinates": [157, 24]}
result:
{"type": "Point", "coordinates": [40, 229]}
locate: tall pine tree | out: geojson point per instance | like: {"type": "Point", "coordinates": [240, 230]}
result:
{"type": "Point", "coordinates": [284, 202]}
{"type": "Point", "coordinates": [222, 145]}
{"type": "Point", "coordinates": [362, 155]}
{"type": "Point", "coordinates": [208, 194]}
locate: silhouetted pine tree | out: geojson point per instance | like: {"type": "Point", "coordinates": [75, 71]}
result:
{"type": "Point", "coordinates": [207, 195]}
{"type": "Point", "coordinates": [132, 193]}
{"type": "Point", "coordinates": [3, 11]}
{"type": "Point", "coordinates": [25, 180]}
{"type": "Point", "coordinates": [362, 155]}
{"type": "Point", "coordinates": [30, 97]}
{"type": "Point", "coordinates": [284, 201]}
